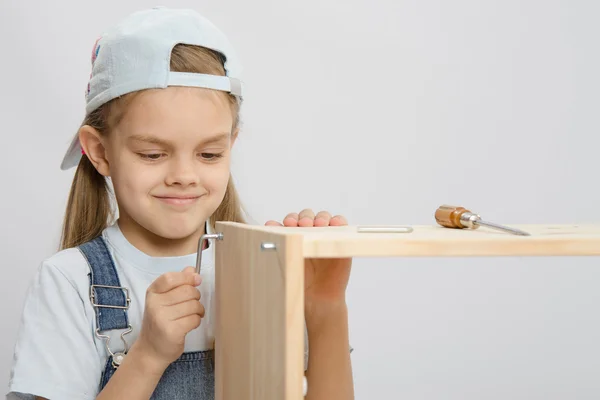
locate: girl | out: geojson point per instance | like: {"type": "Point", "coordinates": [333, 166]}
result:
{"type": "Point", "coordinates": [119, 312]}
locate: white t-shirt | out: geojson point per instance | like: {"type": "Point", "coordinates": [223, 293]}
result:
{"type": "Point", "coordinates": [57, 355]}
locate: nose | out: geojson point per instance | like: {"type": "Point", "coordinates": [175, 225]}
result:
{"type": "Point", "coordinates": [182, 172]}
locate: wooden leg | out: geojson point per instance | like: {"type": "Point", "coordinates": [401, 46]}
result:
{"type": "Point", "coordinates": [259, 338]}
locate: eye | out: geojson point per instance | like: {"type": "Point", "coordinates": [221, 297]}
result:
{"type": "Point", "coordinates": [150, 156]}
{"type": "Point", "coordinates": [211, 156]}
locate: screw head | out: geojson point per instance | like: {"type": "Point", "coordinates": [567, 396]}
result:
{"type": "Point", "coordinates": [267, 246]}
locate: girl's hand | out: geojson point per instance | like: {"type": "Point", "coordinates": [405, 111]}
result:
{"type": "Point", "coordinates": [325, 279]}
{"type": "Point", "coordinates": [172, 310]}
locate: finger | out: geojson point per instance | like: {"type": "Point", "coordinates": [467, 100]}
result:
{"type": "Point", "coordinates": [338, 220]}
{"type": "Point", "coordinates": [188, 270]}
{"type": "Point", "coordinates": [291, 219]}
{"type": "Point", "coordinates": [189, 323]}
{"type": "Point", "coordinates": [322, 218]}
{"type": "Point", "coordinates": [306, 213]}
{"type": "Point", "coordinates": [273, 223]}
{"type": "Point", "coordinates": [171, 280]}
{"type": "Point", "coordinates": [306, 218]}
{"type": "Point", "coordinates": [185, 309]}
{"type": "Point", "coordinates": [179, 295]}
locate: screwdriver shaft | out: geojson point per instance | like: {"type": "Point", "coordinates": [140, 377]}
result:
{"type": "Point", "coordinates": [501, 228]}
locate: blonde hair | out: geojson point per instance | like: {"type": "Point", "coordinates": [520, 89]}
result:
{"type": "Point", "coordinates": [89, 209]}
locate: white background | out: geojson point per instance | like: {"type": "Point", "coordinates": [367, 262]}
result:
{"type": "Point", "coordinates": [380, 110]}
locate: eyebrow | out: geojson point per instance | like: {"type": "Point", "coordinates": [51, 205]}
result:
{"type": "Point", "coordinates": [155, 140]}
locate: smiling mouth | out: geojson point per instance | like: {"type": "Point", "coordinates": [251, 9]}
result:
{"type": "Point", "coordinates": [178, 200]}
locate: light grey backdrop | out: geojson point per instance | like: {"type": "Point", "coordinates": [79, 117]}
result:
{"type": "Point", "coordinates": [380, 110]}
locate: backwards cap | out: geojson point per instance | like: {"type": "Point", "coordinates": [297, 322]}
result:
{"type": "Point", "coordinates": [136, 54]}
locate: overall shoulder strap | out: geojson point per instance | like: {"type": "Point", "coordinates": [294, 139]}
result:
{"type": "Point", "coordinates": [109, 299]}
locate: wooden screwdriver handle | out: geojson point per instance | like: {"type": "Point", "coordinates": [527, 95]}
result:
{"type": "Point", "coordinates": [449, 216]}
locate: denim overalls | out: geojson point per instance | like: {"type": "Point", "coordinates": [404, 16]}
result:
{"type": "Point", "coordinates": [189, 377]}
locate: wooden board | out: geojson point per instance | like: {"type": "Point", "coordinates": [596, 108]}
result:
{"type": "Point", "coordinates": [259, 345]}
{"type": "Point", "coordinates": [260, 293]}
{"type": "Point", "coordinates": [436, 241]}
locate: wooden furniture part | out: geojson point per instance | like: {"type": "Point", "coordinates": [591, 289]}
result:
{"type": "Point", "coordinates": [260, 288]}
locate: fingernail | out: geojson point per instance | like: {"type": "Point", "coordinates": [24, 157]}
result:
{"type": "Point", "coordinates": [197, 279]}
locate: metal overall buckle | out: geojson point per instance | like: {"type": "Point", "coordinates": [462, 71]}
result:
{"type": "Point", "coordinates": [93, 297]}
{"type": "Point", "coordinates": [117, 358]}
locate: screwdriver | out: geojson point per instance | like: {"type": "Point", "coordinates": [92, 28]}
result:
{"type": "Point", "coordinates": [459, 217]}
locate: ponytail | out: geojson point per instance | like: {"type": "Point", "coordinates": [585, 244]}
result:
{"type": "Point", "coordinates": [88, 208]}
{"type": "Point", "coordinates": [230, 208]}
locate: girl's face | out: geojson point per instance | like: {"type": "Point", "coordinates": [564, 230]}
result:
{"type": "Point", "coordinates": [169, 160]}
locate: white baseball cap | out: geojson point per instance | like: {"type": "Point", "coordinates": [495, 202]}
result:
{"type": "Point", "coordinates": [135, 54]}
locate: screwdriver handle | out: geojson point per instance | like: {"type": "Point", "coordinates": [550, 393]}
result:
{"type": "Point", "coordinates": [456, 217]}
